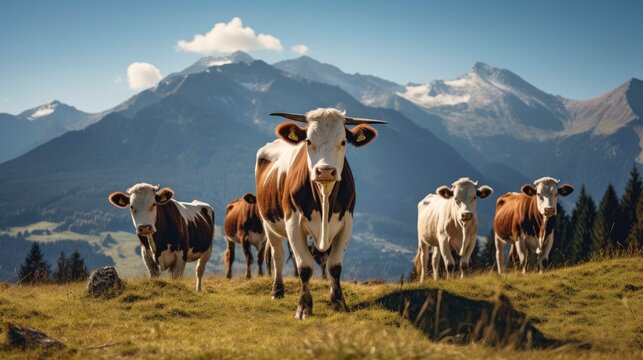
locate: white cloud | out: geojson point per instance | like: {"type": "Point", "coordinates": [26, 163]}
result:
{"type": "Point", "coordinates": [300, 49]}
{"type": "Point", "coordinates": [142, 75]}
{"type": "Point", "coordinates": [230, 37]}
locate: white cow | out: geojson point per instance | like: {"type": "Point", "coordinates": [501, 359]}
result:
{"type": "Point", "coordinates": [447, 220]}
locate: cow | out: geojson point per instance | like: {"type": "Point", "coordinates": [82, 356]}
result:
{"type": "Point", "coordinates": [243, 226]}
{"type": "Point", "coordinates": [171, 232]}
{"type": "Point", "coordinates": [527, 219]}
{"type": "Point", "coordinates": [447, 220]}
{"type": "Point", "coordinates": [305, 187]}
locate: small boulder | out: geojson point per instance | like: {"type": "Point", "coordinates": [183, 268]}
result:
{"type": "Point", "coordinates": [26, 337]}
{"type": "Point", "coordinates": [104, 282]}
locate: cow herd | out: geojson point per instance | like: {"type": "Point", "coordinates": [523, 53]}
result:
{"type": "Point", "coordinates": [305, 188]}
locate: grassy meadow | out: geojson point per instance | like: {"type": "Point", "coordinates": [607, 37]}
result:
{"type": "Point", "coordinates": [598, 303]}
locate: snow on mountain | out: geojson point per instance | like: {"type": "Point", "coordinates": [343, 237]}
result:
{"type": "Point", "coordinates": [488, 101]}
{"type": "Point", "coordinates": [205, 62]}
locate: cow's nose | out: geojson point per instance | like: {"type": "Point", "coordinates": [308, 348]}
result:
{"type": "Point", "coordinates": [550, 211]}
{"type": "Point", "coordinates": [325, 173]}
{"type": "Point", "coordinates": [144, 229]}
{"type": "Point", "coordinates": [466, 216]}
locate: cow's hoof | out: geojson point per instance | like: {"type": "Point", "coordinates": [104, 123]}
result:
{"type": "Point", "coordinates": [340, 305]}
{"type": "Point", "coordinates": [248, 276]}
{"type": "Point", "coordinates": [228, 276]}
{"type": "Point", "coordinates": [450, 268]}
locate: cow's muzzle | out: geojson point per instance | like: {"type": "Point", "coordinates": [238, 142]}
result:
{"type": "Point", "coordinates": [466, 216]}
{"type": "Point", "coordinates": [549, 211]}
{"type": "Point", "coordinates": [325, 173]}
{"type": "Point", "coordinates": [145, 230]}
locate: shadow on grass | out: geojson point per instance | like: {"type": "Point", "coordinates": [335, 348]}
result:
{"type": "Point", "coordinates": [442, 316]}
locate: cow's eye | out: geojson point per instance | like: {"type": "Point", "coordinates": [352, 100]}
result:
{"type": "Point", "coordinates": [344, 143]}
{"type": "Point", "coordinates": [153, 206]}
{"type": "Point", "coordinates": [307, 142]}
{"type": "Point", "coordinates": [133, 210]}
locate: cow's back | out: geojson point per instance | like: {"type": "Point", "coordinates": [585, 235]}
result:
{"type": "Point", "coordinates": [186, 227]}
{"type": "Point", "coordinates": [431, 217]}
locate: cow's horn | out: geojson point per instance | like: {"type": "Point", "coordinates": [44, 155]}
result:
{"type": "Point", "coordinates": [357, 121]}
{"type": "Point", "coordinates": [295, 117]}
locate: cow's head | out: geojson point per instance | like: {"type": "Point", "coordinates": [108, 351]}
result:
{"type": "Point", "coordinates": [326, 137]}
{"type": "Point", "coordinates": [142, 199]}
{"type": "Point", "coordinates": [464, 193]}
{"type": "Point", "coordinates": [546, 191]}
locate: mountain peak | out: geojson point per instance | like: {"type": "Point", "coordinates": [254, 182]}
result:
{"type": "Point", "coordinates": [208, 61]}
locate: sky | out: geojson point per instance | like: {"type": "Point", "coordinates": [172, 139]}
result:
{"type": "Point", "coordinates": [94, 55]}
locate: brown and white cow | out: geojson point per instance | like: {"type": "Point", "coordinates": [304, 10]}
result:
{"type": "Point", "coordinates": [305, 187]}
{"type": "Point", "coordinates": [243, 226]}
{"type": "Point", "coordinates": [447, 220]}
{"type": "Point", "coordinates": [527, 219]}
{"type": "Point", "coordinates": [171, 233]}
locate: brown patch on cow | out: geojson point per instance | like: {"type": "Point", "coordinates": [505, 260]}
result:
{"type": "Point", "coordinates": [242, 218]}
{"type": "Point", "coordinates": [518, 214]}
{"type": "Point", "coordinates": [172, 230]}
{"type": "Point", "coordinates": [268, 190]}
{"type": "Point", "coordinates": [302, 195]}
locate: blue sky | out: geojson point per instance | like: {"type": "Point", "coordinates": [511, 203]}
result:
{"type": "Point", "coordinates": [79, 51]}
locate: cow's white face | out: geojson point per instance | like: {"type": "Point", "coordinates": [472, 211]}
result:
{"type": "Point", "coordinates": [326, 137]}
{"type": "Point", "coordinates": [142, 199]}
{"type": "Point", "coordinates": [546, 191]}
{"type": "Point", "coordinates": [464, 194]}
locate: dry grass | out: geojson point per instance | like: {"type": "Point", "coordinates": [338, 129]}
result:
{"type": "Point", "coordinates": [600, 303]}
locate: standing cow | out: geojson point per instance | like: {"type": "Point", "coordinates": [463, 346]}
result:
{"type": "Point", "coordinates": [527, 219]}
{"type": "Point", "coordinates": [447, 220]}
{"type": "Point", "coordinates": [243, 226]}
{"type": "Point", "coordinates": [171, 232]}
{"type": "Point", "coordinates": [305, 187]}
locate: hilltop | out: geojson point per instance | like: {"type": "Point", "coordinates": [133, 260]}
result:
{"type": "Point", "coordinates": [598, 303]}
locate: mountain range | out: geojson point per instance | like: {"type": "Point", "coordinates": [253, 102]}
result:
{"type": "Point", "coordinates": [198, 131]}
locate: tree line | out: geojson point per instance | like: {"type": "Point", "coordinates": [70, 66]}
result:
{"type": "Point", "coordinates": [36, 270]}
{"type": "Point", "coordinates": [615, 226]}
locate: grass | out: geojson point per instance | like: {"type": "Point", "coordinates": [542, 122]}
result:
{"type": "Point", "coordinates": [600, 303]}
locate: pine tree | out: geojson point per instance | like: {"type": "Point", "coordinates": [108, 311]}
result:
{"type": "Point", "coordinates": [35, 269]}
{"type": "Point", "coordinates": [77, 269]}
{"type": "Point", "coordinates": [582, 220]}
{"type": "Point", "coordinates": [628, 207]}
{"type": "Point", "coordinates": [487, 255]}
{"type": "Point", "coordinates": [62, 274]}
{"type": "Point", "coordinates": [606, 217]}
{"type": "Point", "coordinates": [558, 256]}
{"type": "Point", "coordinates": [635, 239]}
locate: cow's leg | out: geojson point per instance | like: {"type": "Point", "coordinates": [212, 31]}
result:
{"type": "Point", "coordinates": [305, 264]}
{"type": "Point", "coordinates": [245, 244]}
{"type": "Point", "coordinates": [277, 255]}
{"type": "Point", "coordinates": [334, 265]}
{"type": "Point", "coordinates": [543, 257]}
{"type": "Point", "coordinates": [292, 258]}
{"type": "Point", "coordinates": [260, 257]}
{"type": "Point", "coordinates": [268, 258]}
{"type": "Point", "coordinates": [424, 259]}
{"type": "Point", "coordinates": [229, 258]}
{"type": "Point", "coordinates": [500, 253]}
{"type": "Point", "coordinates": [200, 267]}
{"type": "Point", "coordinates": [178, 266]}
{"type": "Point", "coordinates": [466, 258]}
{"type": "Point", "coordinates": [521, 249]}
{"type": "Point", "coordinates": [435, 262]}
{"type": "Point", "coordinates": [445, 250]}
{"type": "Point", "coordinates": [151, 266]}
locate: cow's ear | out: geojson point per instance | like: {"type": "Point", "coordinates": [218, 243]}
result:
{"type": "Point", "coordinates": [445, 192]}
{"type": "Point", "coordinates": [361, 135]}
{"type": "Point", "coordinates": [528, 189]}
{"type": "Point", "coordinates": [118, 199]}
{"type": "Point", "coordinates": [565, 190]}
{"type": "Point", "coordinates": [164, 195]}
{"type": "Point", "coordinates": [291, 133]}
{"type": "Point", "coordinates": [250, 198]}
{"type": "Point", "coordinates": [484, 191]}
